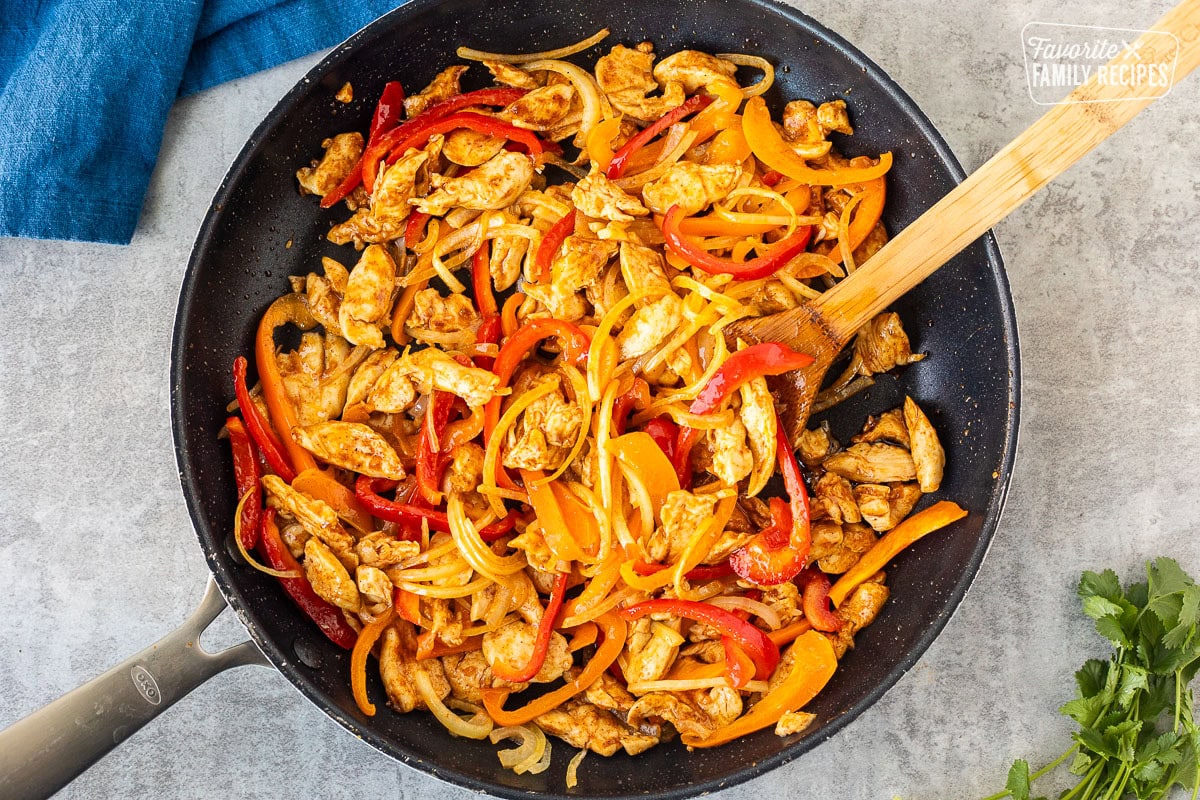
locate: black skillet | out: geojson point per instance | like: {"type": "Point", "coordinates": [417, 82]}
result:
{"type": "Point", "coordinates": [259, 230]}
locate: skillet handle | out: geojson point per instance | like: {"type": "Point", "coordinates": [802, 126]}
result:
{"type": "Point", "coordinates": [48, 749]}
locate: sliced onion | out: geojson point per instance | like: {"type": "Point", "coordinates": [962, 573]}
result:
{"type": "Point", "coordinates": [446, 592]}
{"type": "Point", "coordinates": [660, 168]}
{"type": "Point", "coordinates": [237, 537]}
{"type": "Point", "coordinates": [521, 58]}
{"type": "Point", "coordinates": [529, 754]}
{"type": "Point", "coordinates": [578, 173]}
{"type": "Point", "coordinates": [585, 85]}
{"type": "Point", "coordinates": [473, 549]}
{"type": "Point", "coordinates": [836, 394]}
{"type": "Point", "coordinates": [754, 62]}
{"type": "Point", "coordinates": [477, 727]}
{"type": "Point", "coordinates": [688, 685]}
{"type": "Point", "coordinates": [759, 609]}
{"type": "Point", "coordinates": [542, 764]}
{"type": "Point", "coordinates": [573, 769]}
{"type": "Point", "coordinates": [801, 291]}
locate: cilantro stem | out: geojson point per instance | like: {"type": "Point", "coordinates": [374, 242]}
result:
{"type": "Point", "coordinates": [1033, 777]}
{"type": "Point", "coordinates": [1084, 783]}
{"type": "Point", "coordinates": [1178, 690]}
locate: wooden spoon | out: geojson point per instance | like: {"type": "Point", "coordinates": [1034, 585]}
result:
{"type": "Point", "coordinates": [1092, 113]}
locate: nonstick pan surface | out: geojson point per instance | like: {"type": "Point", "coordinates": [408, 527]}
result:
{"type": "Point", "coordinates": [259, 230]}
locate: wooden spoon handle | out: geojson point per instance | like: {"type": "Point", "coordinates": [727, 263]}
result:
{"type": "Point", "coordinates": [1044, 151]}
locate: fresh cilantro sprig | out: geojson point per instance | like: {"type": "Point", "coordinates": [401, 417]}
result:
{"type": "Point", "coordinates": [1136, 734]}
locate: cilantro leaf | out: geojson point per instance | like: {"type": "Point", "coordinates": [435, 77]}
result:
{"type": "Point", "coordinates": [1110, 628]}
{"type": "Point", "coordinates": [1102, 584]}
{"type": "Point", "coordinates": [1018, 780]}
{"type": "Point", "coordinates": [1091, 677]}
{"type": "Point", "coordinates": [1166, 577]}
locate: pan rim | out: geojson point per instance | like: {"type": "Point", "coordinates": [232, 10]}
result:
{"type": "Point", "coordinates": [286, 664]}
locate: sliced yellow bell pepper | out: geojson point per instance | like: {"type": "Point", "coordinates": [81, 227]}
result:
{"type": "Point", "coordinates": [769, 147]}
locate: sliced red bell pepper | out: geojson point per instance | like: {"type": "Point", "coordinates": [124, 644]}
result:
{"type": "Point", "coordinates": [639, 393]}
{"type": "Point", "coordinates": [386, 142]}
{"type": "Point", "coordinates": [575, 343]}
{"type": "Point", "coordinates": [246, 474]}
{"type": "Point", "coordinates": [492, 126]}
{"type": "Point", "coordinates": [487, 333]}
{"type": "Point", "coordinates": [481, 282]}
{"type": "Point", "coordinates": [413, 228]}
{"type": "Point", "coordinates": [387, 113]}
{"type": "Point", "coordinates": [815, 592]}
{"type": "Point", "coordinates": [761, 650]}
{"type": "Point", "coordinates": [620, 159]}
{"type": "Point", "coordinates": [704, 572]}
{"type": "Point", "coordinates": [756, 361]}
{"type": "Point", "coordinates": [430, 459]}
{"type": "Point", "coordinates": [772, 178]}
{"type": "Point", "coordinates": [763, 266]}
{"type": "Point", "coordinates": [777, 555]}
{"type": "Point", "coordinates": [738, 666]}
{"type": "Point", "coordinates": [258, 427]}
{"type": "Point", "coordinates": [664, 432]}
{"type": "Point", "coordinates": [766, 559]}
{"type": "Point", "coordinates": [329, 618]}
{"type": "Point", "coordinates": [367, 491]}
{"type": "Point", "coordinates": [550, 243]}
{"type": "Point", "coordinates": [541, 645]}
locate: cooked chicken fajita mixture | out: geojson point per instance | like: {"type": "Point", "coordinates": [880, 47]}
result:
{"type": "Point", "coordinates": [513, 456]}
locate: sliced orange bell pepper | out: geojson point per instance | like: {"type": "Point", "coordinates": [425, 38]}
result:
{"type": "Point", "coordinates": [712, 225]}
{"type": "Point", "coordinates": [938, 515]}
{"type": "Point", "coordinates": [358, 660]}
{"type": "Point", "coordinates": [583, 636]}
{"type": "Point", "coordinates": [437, 649]}
{"type": "Point", "coordinates": [403, 309]}
{"type": "Point", "coordinates": [814, 664]}
{"type": "Point", "coordinates": [599, 142]}
{"type": "Point", "coordinates": [769, 147]}
{"type": "Point", "coordinates": [868, 213]}
{"type": "Point", "coordinates": [789, 633]}
{"type": "Point", "coordinates": [294, 309]}
{"type": "Point", "coordinates": [730, 145]}
{"type": "Point", "coordinates": [319, 485]}
{"type": "Point", "coordinates": [720, 114]}
{"type": "Point", "coordinates": [614, 630]}
{"type": "Point", "coordinates": [408, 605]}
{"type": "Point", "coordinates": [563, 523]}
{"type": "Point", "coordinates": [638, 452]}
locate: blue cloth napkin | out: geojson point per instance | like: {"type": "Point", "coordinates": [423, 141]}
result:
{"type": "Point", "coordinates": [85, 87]}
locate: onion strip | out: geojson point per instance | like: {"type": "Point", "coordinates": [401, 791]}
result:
{"type": "Point", "coordinates": [237, 537]}
{"type": "Point", "coordinates": [491, 456]}
{"type": "Point", "coordinates": [470, 54]}
{"type": "Point", "coordinates": [585, 87]}
{"type": "Point", "coordinates": [754, 62]}
{"type": "Point", "coordinates": [757, 608]}
{"type": "Point", "coordinates": [478, 727]}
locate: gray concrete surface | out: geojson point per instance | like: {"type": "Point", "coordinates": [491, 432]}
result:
{"type": "Point", "coordinates": [97, 558]}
